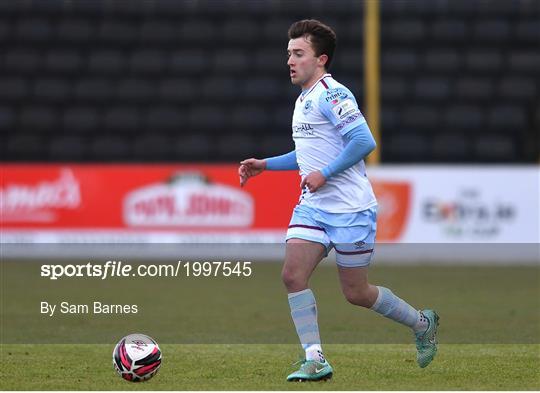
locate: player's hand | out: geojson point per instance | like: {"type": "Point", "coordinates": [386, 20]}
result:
{"type": "Point", "coordinates": [249, 168]}
{"type": "Point", "coordinates": [313, 181]}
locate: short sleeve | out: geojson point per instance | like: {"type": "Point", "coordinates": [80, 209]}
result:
{"type": "Point", "coordinates": [339, 106]}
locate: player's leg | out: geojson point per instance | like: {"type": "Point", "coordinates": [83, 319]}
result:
{"type": "Point", "coordinates": [358, 291]}
{"type": "Point", "coordinates": [307, 244]}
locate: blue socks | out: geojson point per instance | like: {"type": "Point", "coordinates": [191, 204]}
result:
{"type": "Point", "coordinates": [395, 308]}
{"type": "Point", "coordinates": [304, 315]}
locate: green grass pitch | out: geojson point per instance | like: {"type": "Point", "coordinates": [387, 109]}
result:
{"type": "Point", "coordinates": [230, 334]}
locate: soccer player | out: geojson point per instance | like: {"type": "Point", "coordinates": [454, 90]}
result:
{"type": "Point", "coordinates": [337, 207]}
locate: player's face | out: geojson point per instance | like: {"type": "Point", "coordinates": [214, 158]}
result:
{"type": "Point", "coordinates": [304, 67]}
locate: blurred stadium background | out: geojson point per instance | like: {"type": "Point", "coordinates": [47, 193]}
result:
{"type": "Point", "coordinates": [206, 80]}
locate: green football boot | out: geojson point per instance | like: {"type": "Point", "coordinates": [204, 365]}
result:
{"type": "Point", "coordinates": [426, 342]}
{"type": "Point", "coordinates": [311, 370]}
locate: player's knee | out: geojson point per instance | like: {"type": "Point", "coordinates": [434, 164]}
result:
{"type": "Point", "coordinates": [358, 297]}
{"type": "Point", "coordinates": [293, 280]}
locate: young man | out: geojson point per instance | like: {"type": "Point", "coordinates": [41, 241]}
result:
{"type": "Point", "coordinates": [337, 207]}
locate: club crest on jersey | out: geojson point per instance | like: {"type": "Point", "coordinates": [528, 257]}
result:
{"type": "Point", "coordinates": [308, 106]}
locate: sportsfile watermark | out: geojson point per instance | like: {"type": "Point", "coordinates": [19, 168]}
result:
{"type": "Point", "coordinates": [120, 269]}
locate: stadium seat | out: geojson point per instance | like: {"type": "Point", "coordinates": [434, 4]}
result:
{"type": "Point", "coordinates": [449, 30]}
{"type": "Point", "coordinates": [198, 31]}
{"type": "Point", "coordinates": [491, 31]}
{"type": "Point", "coordinates": [194, 147]}
{"type": "Point", "coordinates": [7, 119]}
{"type": "Point", "coordinates": [207, 117]}
{"type": "Point", "coordinates": [272, 61]}
{"type": "Point", "coordinates": [464, 117]}
{"type": "Point", "coordinates": [188, 62]}
{"type": "Point", "coordinates": [508, 117]}
{"type": "Point", "coordinates": [163, 118]}
{"type": "Point", "coordinates": [33, 30]}
{"type": "Point", "coordinates": [474, 89]}
{"type": "Point", "coordinates": [236, 146]}
{"type": "Point", "coordinates": [68, 148]}
{"type": "Point", "coordinates": [153, 147]}
{"type": "Point", "coordinates": [147, 62]}
{"type": "Point", "coordinates": [495, 147]}
{"type": "Point", "coordinates": [178, 90]}
{"type": "Point", "coordinates": [440, 61]}
{"type": "Point", "coordinates": [451, 146]}
{"type": "Point", "coordinates": [110, 148]}
{"type": "Point", "coordinates": [484, 60]}
{"type": "Point", "coordinates": [81, 119]}
{"type": "Point", "coordinates": [239, 31]}
{"type": "Point", "coordinates": [37, 118]}
{"type": "Point", "coordinates": [230, 61]}
{"type": "Point", "coordinates": [117, 32]}
{"type": "Point", "coordinates": [518, 88]}
{"type": "Point", "coordinates": [135, 90]}
{"type": "Point", "coordinates": [14, 89]}
{"type": "Point", "coordinates": [106, 62]}
{"type": "Point", "coordinates": [390, 118]}
{"type": "Point", "coordinates": [398, 60]}
{"type": "Point", "coordinates": [274, 30]}
{"type": "Point", "coordinates": [121, 119]}
{"type": "Point", "coordinates": [274, 145]}
{"type": "Point", "coordinates": [528, 31]}
{"type": "Point", "coordinates": [5, 30]}
{"type": "Point", "coordinates": [159, 32]}
{"type": "Point", "coordinates": [75, 31]}
{"type": "Point", "coordinates": [220, 89]}
{"type": "Point", "coordinates": [393, 89]}
{"type": "Point", "coordinates": [432, 89]}
{"type": "Point", "coordinates": [23, 147]}
{"type": "Point", "coordinates": [404, 31]}
{"type": "Point", "coordinates": [64, 62]}
{"type": "Point", "coordinates": [421, 117]}
{"type": "Point", "coordinates": [52, 90]}
{"type": "Point", "coordinates": [405, 146]}
{"type": "Point", "coordinates": [251, 118]}
{"type": "Point", "coordinates": [22, 60]}
{"type": "Point", "coordinates": [525, 61]}
{"type": "Point", "coordinates": [262, 89]}
{"type": "Point", "coordinates": [96, 90]}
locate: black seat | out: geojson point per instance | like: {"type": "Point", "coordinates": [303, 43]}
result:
{"type": "Point", "coordinates": [206, 117]}
{"type": "Point", "coordinates": [393, 89]}
{"type": "Point", "coordinates": [64, 61]}
{"type": "Point", "coordinates": [449, 30]}
{"type": "Point", "coordinates": [110, 148]}
{"type": "Point", "coordinates": [195, 146]}
{"type": "Point", "coordinates": [75, 30]}
{"type": "Point", "coordinates": [262, 89]}
{"type": "Point", "coordinates": [165, 118]}
{"type": "Point", "coordinates": [33, 30]}
{"type": "Point", "coordinates": [135, 90]}
{"type": "Point", "coordinates": [239, 31]}
{"type": "Point", "coordinates": [52, 90]}
{"type": "Point", "coordinates": [153, 147]}
{"type": "Point", "coordinates": [67, 148]}
{"type": "Point", "coordinates": [398, 61]}
{"type": "Point", "coordinates": [442, 61]}
{"type": "Point", "coordinates": [495, 147]}
{"type": "Point", "coordinates": [404, 31]}
{"type": "Point", "coordinates": [178, 90]}
{"type": "Point", "coordinates": [38, 118]}
{"type": "Point", "coordinates": [188, 62]}
{"type": "Point", "coordinates": [464, 117]}
{"type": "Point", "coordinates": [220, 89]}
{"type": "Point", "coordinates": [96, 90]}
{"type": "Point", "coordinates": [7, 119]}
{"type": "Point", "coordinates": [159, 32]}
{"type": "Point", "coordinates": [249, 117]}
{"type": "Point", "coordinates": [484, 60]}
{"type": "Point", "coordinates": [491, 31]}
{"type": "Point", "coordinates": [509, 117]}
{"type": "Point", "coordinates": [147, 62]}
{"type": "Point", "coordinates": [525, 61]}
{"type": "Point", "coordinates": [407, 146]}
{"type": "Point", "coordinates": [451, 146]}
{"type": "Point", "coordinates": [230, 61]}
{"type": "Point", "coordinates": [418, 116]}
{"type": "Point", "coordinates": [432, 89]}
{"type": "Point", "coordinates": [14, 89]}
{"type": "Point", "coordinates": [474, 89]}
{"type": "Point", "coordinates": [123, 119]}
{"type": "Point", "coordinates": [22, 147]}
{"type": "Point", "coordinates": [272, 60]}
{"type": "Point", "coordinates": [236, 146]}
{"type": "Point", "coordinates": [117, 32]}
{"type": "Point", "coordinates": [22, 60]}
{"type": "Point", "coordinates": [106, 62]}
{"type": "Point", "coordinates": [198, 31]}
{"type": "Point", "coordinates": [274, 145]}
{"type": "Point", "coordinates": [81, 119]}
{"type": "Point", "coordinates": [518, 88]}
{"type": "Point", "coordinates": [528, 31]}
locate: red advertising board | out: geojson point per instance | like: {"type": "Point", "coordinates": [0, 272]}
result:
{"type": "Point", "coordinates": [163, 197]}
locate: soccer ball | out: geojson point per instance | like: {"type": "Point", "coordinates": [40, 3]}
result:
{"type": "Point", "coordinates": [137, 358]}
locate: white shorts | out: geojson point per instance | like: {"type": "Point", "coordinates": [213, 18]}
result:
{"type": "Point", "coordinates": [352, 235]}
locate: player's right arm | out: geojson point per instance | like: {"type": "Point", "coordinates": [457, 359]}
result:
{"type": "Point", "coordinates": [253, 167]}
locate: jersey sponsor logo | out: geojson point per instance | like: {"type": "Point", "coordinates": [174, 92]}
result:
{"type": "Point", "coordinates": [334, 96]}
{"type": "Point", "coordinates": [344, 109]}
{"type": "Point", "coordinates": [351, 119]}
{"type": "Point", "coordinates": [308, 106]}
{"type": "Point", "coordinates": [303, 129]}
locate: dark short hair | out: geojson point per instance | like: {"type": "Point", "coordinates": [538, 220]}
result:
{"type": "Point", "coordinates": [323, 38]}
